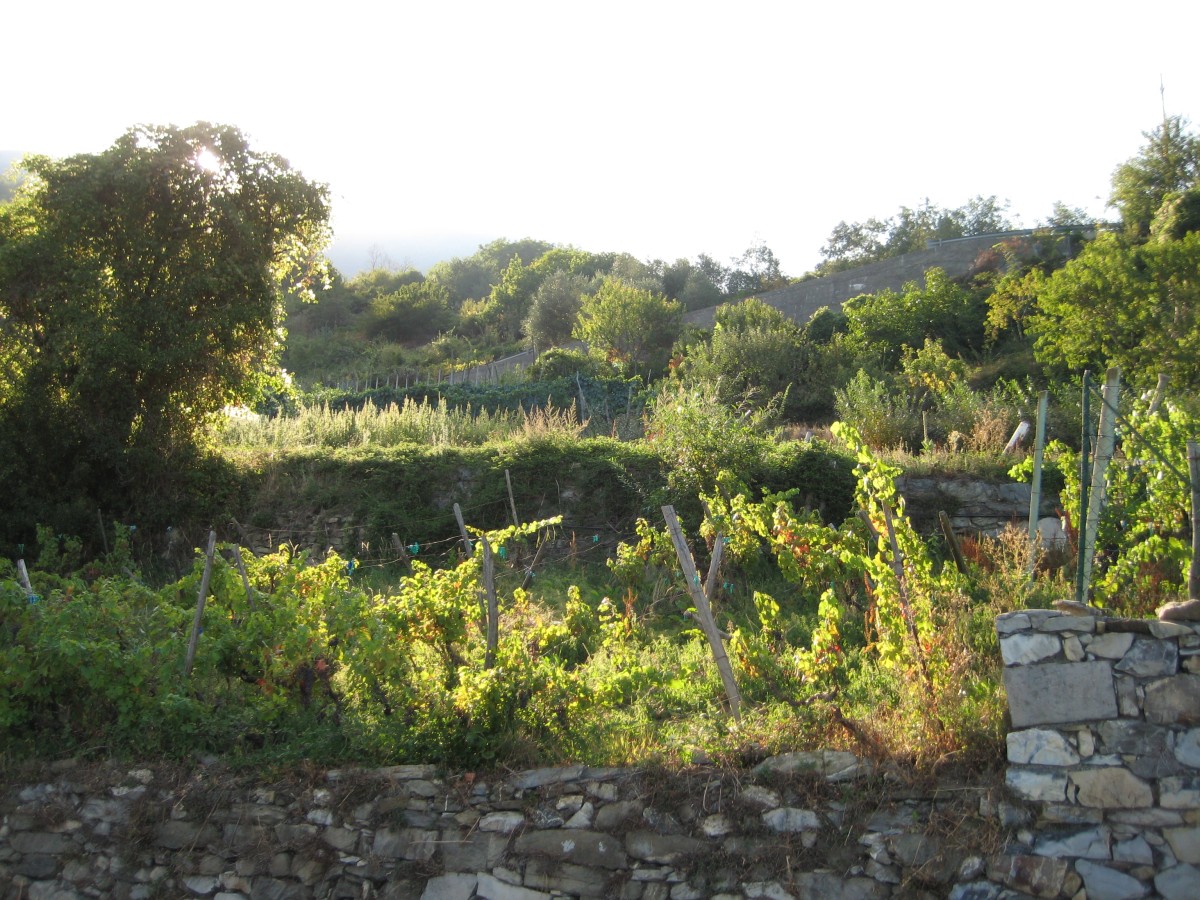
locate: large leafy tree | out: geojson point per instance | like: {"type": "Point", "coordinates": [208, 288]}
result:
{"type": "Point", "coordinates": [141, 289]}
{"type": "Point", "coordinates": [630, 327]}
{"type": "Point", "coordinates": [1136, 306]}
{"type": "Point", "coordinates": [1169, 163]}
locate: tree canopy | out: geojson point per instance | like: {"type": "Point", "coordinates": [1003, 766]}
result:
{"type": "Point", "coordinates": [141, 290]}
{"type": "Point", "coordinates": [1169, 163]}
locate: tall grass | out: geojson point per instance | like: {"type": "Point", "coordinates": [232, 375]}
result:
{"type": "Point", "coordinates": [414, 422]}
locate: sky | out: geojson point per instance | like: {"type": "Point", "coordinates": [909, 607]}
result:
{"type": "Point", "coordinates": [659, 128]}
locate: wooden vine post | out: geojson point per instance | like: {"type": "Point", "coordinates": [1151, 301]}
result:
{"type": "Point", "coordinates": [493, 608]}
{"type": "Point", "coordinates": [462, 529]}
{"type": "Point", "coordinates": [204, 580]}
{"type": "Point", "coordinates": [1105, 443]}
{"type": "Point", "coordinates": [1193, 453]}
{"type": "Point", "coordinates": [1035, 486]}
{"type": "Point", "coordinates": [700, 596]}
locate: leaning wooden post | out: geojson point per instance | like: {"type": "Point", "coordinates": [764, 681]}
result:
{"type": "Point", "coordinates": [1085, 455]}
{"type": "Point", "coordinates": [241, 567]}
{"type": "Point", "coordinates": [511, 502]}
{"type": "Point", "coordinates": [1193, 452]}
{"type": "Point", "coordinates": [952, 543]}
{"type": "Point", "coordinates": [1035, 486]}
{"type": "Point", "coordinates": [1105, 443]}
{"type": "Point", "coordinates": [204, 579]}
{"type": "Point", "coordinates": [493, 609]}
{"type": "Point", "coordinates": [703, 611]}
{"type": "Point", "coordinates": [23, 577]}
{"type": "Point", "coordinates": [462, 529]}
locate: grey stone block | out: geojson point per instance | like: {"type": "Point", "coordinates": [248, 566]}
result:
{"type": "Point", "coordinates": [1060, 693]}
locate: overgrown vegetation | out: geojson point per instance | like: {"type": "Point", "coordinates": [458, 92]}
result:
{"type": "Point", "coordinates": [359, 631]}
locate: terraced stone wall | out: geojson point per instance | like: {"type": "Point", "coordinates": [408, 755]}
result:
{"type": "Point", "coordinates": [1105, 751]}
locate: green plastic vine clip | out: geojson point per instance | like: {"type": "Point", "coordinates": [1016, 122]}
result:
{"type": "Point", "coordinates": [414, 549]}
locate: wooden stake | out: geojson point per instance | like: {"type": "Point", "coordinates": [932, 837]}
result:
{"type": "Point", "coordinates": [1193, 452]}
{"type": "Point", "coordinates": [462, 529]}
{"type": "Point", "coordinates": [204, 579]}
{"type": "Point", "coordinates": [703, 611]}
{"type": "Point", "coordinates": [23, 577]}
{"type": "Point", "coordinates": [537, 558]}
{"type": "Point", "coordinates": [952, 541]}
{"type": "Point", "coordinates": [493, 609]}
{"type": "Point", "coordinates": [1105, 443]}
{"type": "Point", "coordinates": [1035, 487]}
{"type": "Point", "coordinates": [241, 567]}
{"type": "Point", "coordinates": [511, 502]}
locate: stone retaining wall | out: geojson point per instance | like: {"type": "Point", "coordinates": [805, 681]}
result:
{"type": "Point", "coordinates": [1105, 749]}
{"type": "Point", "coordinates": [800, 825]}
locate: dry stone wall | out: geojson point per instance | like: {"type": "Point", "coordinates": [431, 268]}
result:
{"type": "Point", "coordinates": [1105, 750]}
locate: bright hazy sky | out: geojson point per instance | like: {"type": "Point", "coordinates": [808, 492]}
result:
{"type": "Point", "coordinates": [665, 129]}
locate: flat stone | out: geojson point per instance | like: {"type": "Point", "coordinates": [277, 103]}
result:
{"type": "Point", "coordinates": [1180, 611]}
{"type": "Point", "coordinates": [1178, 883]}
{"type": "Point", "coordinates": [1103, 883]}
{"type": "Point", "coordinates": [1135, 851]}
{"type": "Point", "coordinates": [611, 815]}
{"type": "Point", "coordinates": [1040, 747]}
{"type": "Point", "coordinates": [1036, 785]}
{"type": "Point", "coordinates": [456, 886]}
{"type": "Point", "coordinates": [1095, 843]}
{"type": "Point", "coordinates": [399, 773]}
{"type": "Point", "coordinates": [1185, 843]}
{"type": "Point", "coordinates": [666, 849]}
{"type": "Point", "coordinates": [766, 890]}
{"type": "Point", "coordinates": [1023, 649]}
{"type": "Point", "coordinates": [761, 796]}
{"type": "Point", "coordinates": [828, 886]}
{"type": "Point", "coordinates": [1073, 649]}
{"type": "Point", "coordinates": [1012, 622]}
{"type": "Point", "coordinates": [1174, 700]}
{"type": "Point", "coordinates": [1179, 792]}
{"type": "Point", "coordinates": [1110, 645]}
{"type": "Point", "coordinates": [489, 887]}
{"type": "Point", "coordinates": [716, 825]}
{"type": "Point", "coordinates": [416, 844]}
{"type": "Point", "coordinates": [1149, 659]}
{"type": "Point", "coordinates": [789, 819]}
{"type": "Point", "coordinates": [1145, 818]}
{"type": "Point", "coordinates": [1127, 696]}
{"type": "Point", "coordinates": [1060, 693]}
{"type": "Point", "coordinates": [1187, 748]}
{"type": "Point", "coordinates": [567, 878]}
{"type": "Point", "coordinates": [542, 777]}
{"type": "Point", "coordinates": [582, 818]}
{"type": "Point", "coordinates": [502, 822]}
{"type": "Point", "coordinates": [473, 851]}
{"type": "Point", "coordinates": [1109, 787]}
{"type": "Point", "coordinates": [1082, 620]}
{"type": "Point", "coordinates": [1167, 630]}
{"type": "Point", "coordinates": [585, 848]}
{"type": "Point", "coordinates": [1036, 875]}
{"type": "Point", "coordinates": [935, 862]}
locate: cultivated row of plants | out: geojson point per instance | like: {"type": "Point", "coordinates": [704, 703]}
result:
{"type": "Point", "coordinates": [834, 638]}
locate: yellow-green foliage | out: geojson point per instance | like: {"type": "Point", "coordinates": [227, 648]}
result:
{"type": "Point", "coordinates": [414, 422]}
